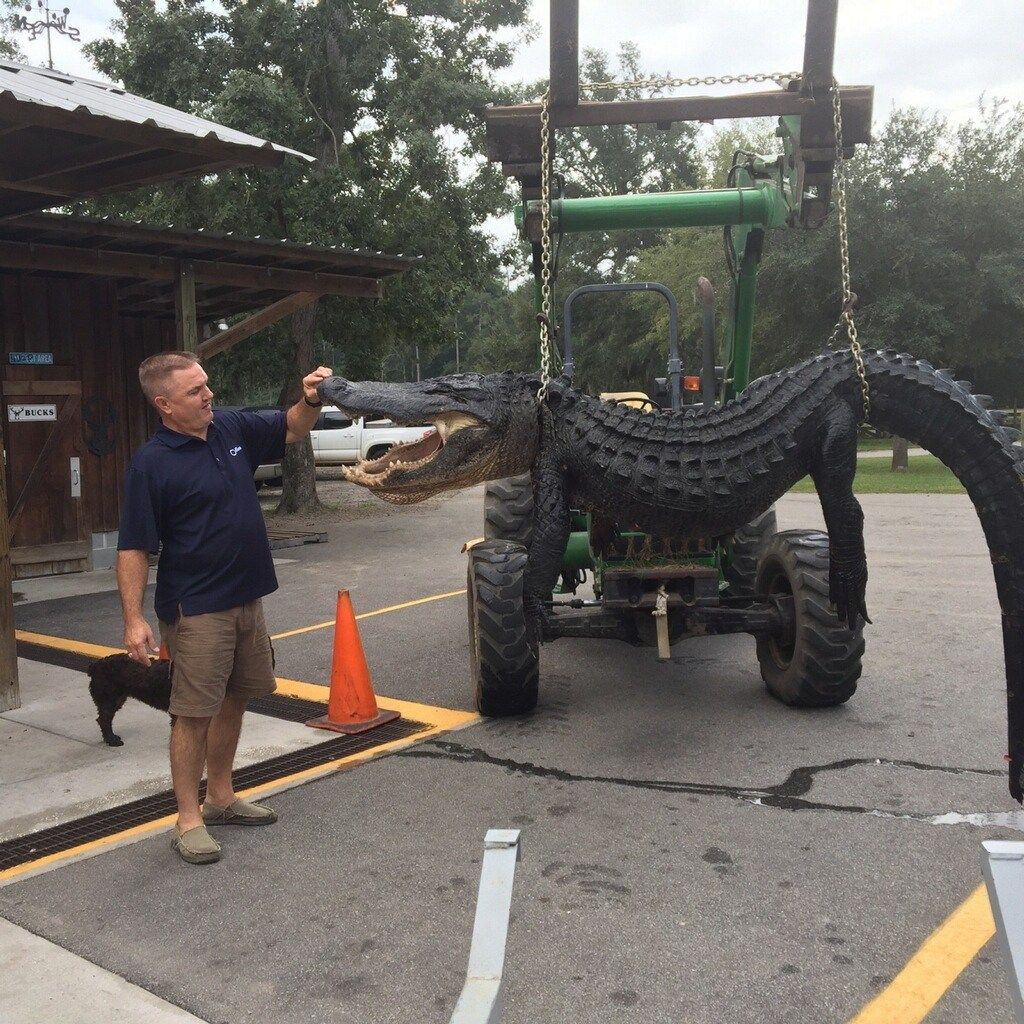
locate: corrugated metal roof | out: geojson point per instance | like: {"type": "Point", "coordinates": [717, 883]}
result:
{"type": "Point", "coordinates": [56, 89]}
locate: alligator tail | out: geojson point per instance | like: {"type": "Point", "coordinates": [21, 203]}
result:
{"type": "Point", "coordinates": [911, 399]}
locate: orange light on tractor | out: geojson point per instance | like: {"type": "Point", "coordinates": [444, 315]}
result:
{"type": "Point", "coordinates": [691, 383]}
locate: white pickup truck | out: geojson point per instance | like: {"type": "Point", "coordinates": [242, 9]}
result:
{"type": "Point", "coordinates": [338, 441]}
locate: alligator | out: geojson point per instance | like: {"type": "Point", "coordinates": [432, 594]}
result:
{"type": "Point", "coordinates": [707, 471]}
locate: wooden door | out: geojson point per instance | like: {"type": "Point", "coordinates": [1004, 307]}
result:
{"type": "Point", "coordinates": [42, 432]}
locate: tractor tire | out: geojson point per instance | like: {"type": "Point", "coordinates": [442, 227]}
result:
{"type": "Point", "coordinates": [745, 548]}
{"type": "Point", "coordinates": [508, 509]}
{"type": "Point", "coordinates": [503, 659]}
{"type": "Point", "coordinates": [818, 663]}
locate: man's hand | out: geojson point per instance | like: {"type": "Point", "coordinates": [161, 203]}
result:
{"type": "Point", "coordinates": [301, 416]}
{"type": "Point", "coordinates": [139, 640]}
{"type": "Point", "coordinates": [310, 381]}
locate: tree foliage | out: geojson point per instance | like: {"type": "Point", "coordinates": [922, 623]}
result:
{"type": "Point", "coordinates": [389, 105]}
{"type": "Point", "coordinates": [10, 49]}
{"type": "Point", "coordinates": [937, 252]}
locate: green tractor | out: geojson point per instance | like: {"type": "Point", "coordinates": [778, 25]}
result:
{"type": "Point", "coordinates": [647, 590]}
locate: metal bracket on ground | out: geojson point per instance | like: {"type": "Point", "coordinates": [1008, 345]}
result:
{"type": "Point", "coordinates": [1003, 864]}
{"type": "Point", "coordinates": [480, 1001]}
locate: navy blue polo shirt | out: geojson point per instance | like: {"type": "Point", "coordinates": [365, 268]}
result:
{"type": "Point", "coordinates": [195, 501]}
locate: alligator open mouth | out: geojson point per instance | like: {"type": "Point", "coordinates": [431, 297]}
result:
{"type": "Point", "coordinates": [413, 455]}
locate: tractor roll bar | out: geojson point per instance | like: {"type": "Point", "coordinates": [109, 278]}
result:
{"type": "Point", "coordinates": [674, 364]}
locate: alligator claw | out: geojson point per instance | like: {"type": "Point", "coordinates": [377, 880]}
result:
{"type": "Point", "coordinates": [538, 621]}
{"type": "Point", "coordinates": [846, 592]}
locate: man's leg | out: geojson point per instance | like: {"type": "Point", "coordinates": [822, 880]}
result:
{"type": "Point", "coordinates": [221, 744]}
{"type": "Point", "coordinates": [188, 754]}
{"type": "Point", "coordinates": [202, 649]}
{"type": "Point", "coordinates": [252, 675]}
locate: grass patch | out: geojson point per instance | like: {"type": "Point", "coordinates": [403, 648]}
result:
{"type": "Point", "coordinates": [926, 476]}
{"type": "Point", "coordinates": [874, 444]}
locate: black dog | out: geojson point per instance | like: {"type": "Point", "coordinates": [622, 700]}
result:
{"type": "Point", "coordinates": [113, 680]}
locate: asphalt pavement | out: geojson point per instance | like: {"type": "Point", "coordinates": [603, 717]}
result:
{"type": "Point", "coordinates": [692, 850]}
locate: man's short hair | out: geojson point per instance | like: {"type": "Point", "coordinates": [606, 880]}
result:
{"type": "Point", "coordinates": [155, 371]}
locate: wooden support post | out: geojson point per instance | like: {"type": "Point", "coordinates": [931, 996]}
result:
{"type": "Point", "coordinates": [187, 327]}
{"type": "Point", "coordinates": [10, 695]}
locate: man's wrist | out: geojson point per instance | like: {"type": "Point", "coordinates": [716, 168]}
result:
{"type": "Point", "coordinates": [312, 405]}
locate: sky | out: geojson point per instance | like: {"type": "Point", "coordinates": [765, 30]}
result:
{"type": "Point", "coordinates": [941, 55]}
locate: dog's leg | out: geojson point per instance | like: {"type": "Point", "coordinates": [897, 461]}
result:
{"type": "Point", "coordinates": [106, 719]}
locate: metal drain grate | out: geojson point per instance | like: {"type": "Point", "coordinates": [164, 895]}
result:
{"type": "Point", "coordinates": [289, 709]}
{"type": "Point", "coordinates": [59, 838]}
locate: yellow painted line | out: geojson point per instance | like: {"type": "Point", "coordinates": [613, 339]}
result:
{"type": "Point", "coordinates": [440, 720]}
{"type": "Point", "coordinates": [58, 642]}
{"type": "Point", "coordinates": [98, 651]}
{"type": "Point", "coordinates": [370, 615]}
{"type": "Point", "coordinates": [931, 971]}
{"type": "Point", "coordinates": [450, 718]}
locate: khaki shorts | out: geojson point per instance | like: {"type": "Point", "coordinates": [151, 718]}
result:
{"type": "Point", "coordinates": [216, 654]}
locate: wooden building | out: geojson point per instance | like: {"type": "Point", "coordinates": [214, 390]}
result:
{"type": "Point", "coordinates": [82, 303]}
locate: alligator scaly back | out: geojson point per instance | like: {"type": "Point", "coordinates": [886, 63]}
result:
{"type": "Point", "coordinates": [912, 400]}
{"type": "Point", "coordinates": [706, 472]}
{"type": "Point", "coordinates": [711, 470]}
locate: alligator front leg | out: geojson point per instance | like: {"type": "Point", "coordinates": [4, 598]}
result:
{"type": "Point", "coordinates": [547, 544]}
{"type": "Point", "coordinates": [832, 470]}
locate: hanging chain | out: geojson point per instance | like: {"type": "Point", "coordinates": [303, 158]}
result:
{"type": "Point", "coordinates": [846, 318]}
{"type": "Point", "coordinates": [545, 248]}
{"type": "Point", "coordinates": [849, 299]}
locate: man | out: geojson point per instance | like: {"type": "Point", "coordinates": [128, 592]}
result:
{"type": "Point", "coordinates": [190, 494]}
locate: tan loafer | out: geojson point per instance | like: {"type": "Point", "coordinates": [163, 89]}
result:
{"type": "Point", "coordinates": [241, 812]}
{"type": "Point", "coordinates": [196, 845]}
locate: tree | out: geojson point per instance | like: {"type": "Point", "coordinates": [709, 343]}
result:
{"type": "Point", "coordinates": [9, 48]}
{"type": "Point", "coordinates": [388, 104]}
{"type": "Point", "coordinates": [900, 455]}
{"type": "Point", "coordinates": [936, 248]}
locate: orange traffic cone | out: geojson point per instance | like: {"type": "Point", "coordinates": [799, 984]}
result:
{"type": "Point", "coordinates": [352, 706]}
